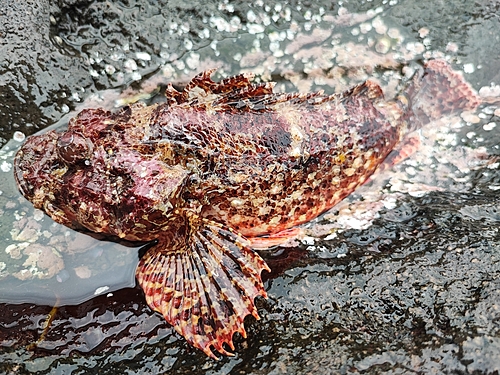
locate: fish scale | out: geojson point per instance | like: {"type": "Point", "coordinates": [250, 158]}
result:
{"type": "Point", "coordinates": [216, 168]}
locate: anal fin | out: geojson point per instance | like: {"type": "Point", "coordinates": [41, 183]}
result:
{"type": "Point", "coordinates": [204, 284]}
{"type": "Point", "coordinates": [276, 239]}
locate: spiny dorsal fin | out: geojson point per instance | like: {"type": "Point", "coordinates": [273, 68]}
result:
{"type": "Point", "coordinates": [368, 88]}
{"type": "Point", "coordinates": [236, 93]}
{"type": "Point", "coordinates": [203, 83]}
{"type": "Point", "coordinates": [203, 284]}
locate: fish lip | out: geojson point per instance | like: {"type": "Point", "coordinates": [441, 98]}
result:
{"type": "Point", "coordinates": [28, 161]}
{"type": "Point", "coordinates": [21, 182]}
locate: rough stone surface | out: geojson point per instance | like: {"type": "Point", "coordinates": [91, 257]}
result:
{"type": "Point", "coordinates": [36, 74]}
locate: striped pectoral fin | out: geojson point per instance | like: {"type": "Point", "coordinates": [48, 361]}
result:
{"type": "Point", "coordinates": [205, 287]}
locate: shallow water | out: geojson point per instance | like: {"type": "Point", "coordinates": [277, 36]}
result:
{"type": "Point", "coordinates": [47, 263]}
{"type": "Point", "coordinates": [401, 277]}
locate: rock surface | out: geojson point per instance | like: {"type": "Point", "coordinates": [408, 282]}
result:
{"type": "Point", "coordinates": [401, 277]}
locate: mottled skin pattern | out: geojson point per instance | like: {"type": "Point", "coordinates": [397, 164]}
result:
{"type": "Point", "coordinates": [218, 164]}
{"type": "Point", "coordinates": [284, 169]}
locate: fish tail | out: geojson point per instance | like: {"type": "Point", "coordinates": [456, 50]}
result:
{"type": "Point", "coordinates": [436, 92]}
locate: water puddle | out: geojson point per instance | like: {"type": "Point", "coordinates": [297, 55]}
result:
{"type": "Point", "coordinates": [46, 263]}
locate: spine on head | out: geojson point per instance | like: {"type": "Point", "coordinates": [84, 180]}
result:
{"type": "Point", "coordinates": [436, 92]}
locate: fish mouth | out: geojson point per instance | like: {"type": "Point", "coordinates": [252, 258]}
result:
{"type": "Point", "coordinates": [33, 161]}
{"type": "Point", "coordinates": [25, 189]}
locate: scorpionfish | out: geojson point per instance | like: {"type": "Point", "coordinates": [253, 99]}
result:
{"type": "Point", "coordinates": [215, 166]}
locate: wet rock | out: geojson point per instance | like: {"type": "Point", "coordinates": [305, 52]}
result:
{"type": "Point", "coordinates": [35, 72]}
{"type": "Point", "coordinates": [473, 41]}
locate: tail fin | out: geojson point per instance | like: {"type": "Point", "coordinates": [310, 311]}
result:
{"type": "Point", "coordinates": [437, 92]}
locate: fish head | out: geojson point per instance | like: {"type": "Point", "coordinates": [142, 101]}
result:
{"type": "Point", "coordinates": [91, 176]}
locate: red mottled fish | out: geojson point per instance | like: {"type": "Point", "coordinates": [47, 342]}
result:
{"type": "Point", "coordinates": [215, 167]}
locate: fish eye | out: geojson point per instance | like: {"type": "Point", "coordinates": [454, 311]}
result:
{"type": "Point", "coordinates": [73, 148]}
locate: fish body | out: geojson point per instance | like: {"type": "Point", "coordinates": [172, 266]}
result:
{"type": "Point", "coordinates": [216, 165]}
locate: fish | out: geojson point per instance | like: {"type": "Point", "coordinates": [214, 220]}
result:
{"type": "Point", "coordinates": [217, 168]}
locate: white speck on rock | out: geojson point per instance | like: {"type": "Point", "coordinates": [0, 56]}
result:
{"type": "Point", "coordinates": [251, 16]}
{"type": "Point", "coordinates": [423, 32]}
{"type": "Point", "coordinates": [417, 194]}
{"type": "Point", "coordinates": [492, 90]}
{"type": "Point", "coordinates": [394, 34]}
{"type": "Point", "coordinates": [254, 28]}
{"type": "Point", "coordinates": [188, 44]}
{"type": "Point", "coordinates": [136, 76]}
{"type": "Point", "coordinates": [143, 56]}
{"type": "Point", "coordinates": [389, 203]}
{"type": "Point", "coordinates": [379, 26]}
{"type": "Point", "coordinates": [130, 65]}
{"type": "Point", "coordinates": [76, 97]}
{"type": "Point", "coordinates": [469, 68]}
{"type": "Point", "coordinates": [330, 237]}
{"type": "Point", "coordinates": [109, 69]}
{"type": "Point", "coordinates": [489, 126]}
{"type": "Point", "coordinates": [308, 240]}
{"type": "Point", "coordinates": [5, 166]}
{"type": "Point", "coordinates": [365, 27]}
{"type": "Point", "coordinates": [452, 47]}
{"type": "Point", "coordinates": [38, 215]}
{"type": "Point", "coordinates": [193, 61]}
{"type": "Point", "coordinates": [101, 290]}
{"type": "Point", "coordinates": [383, 45]}
{"type": "Point", "coordinates": [83, 272]}
{"type": "Point", "coordinates": [470, 117]}
{"type": "Point", "coordinates": [18, 136]}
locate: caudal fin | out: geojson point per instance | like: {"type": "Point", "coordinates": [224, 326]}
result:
{"type": "Point", "coordinates": [439, 92]}
{"type": "Point", "coordinates": [204, 286]}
